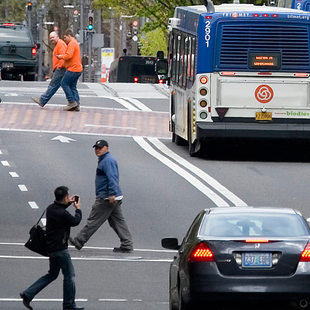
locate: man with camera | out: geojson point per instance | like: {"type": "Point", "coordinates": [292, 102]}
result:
{"type": "Point", "coordinates": [58, 224]}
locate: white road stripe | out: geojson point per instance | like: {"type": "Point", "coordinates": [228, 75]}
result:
{"type": "Point", "coordinates": [198, 172]}
{"type": "Point", "coordinates": [95, 259]}
{"type": "Point", "coordinates": [43, 221]}
{"type": "Point", "coordinates": [13, 174]}
{"type": "Point", "coordinates": [33, 204]}
{"type": "Point", "coordinates": [41, 299]}
{"type": "Point", "coordinates": [23, 188]}
{"type": "Point", "coordinates": [96, 247]}
{"type": "Point", "coordinates": [183, 173]}
{"type": "Point", "coordinates": [1, 152]}
{"type": "Point", "coordinates": [104, 126]}
{"type": "Point", "coordinates": [138, 104]}
{"type": "Point", "coordinates": [5, 163]}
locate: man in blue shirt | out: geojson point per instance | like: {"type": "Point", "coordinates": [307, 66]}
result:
{"type": "Point", "coordinates": [108, 202]}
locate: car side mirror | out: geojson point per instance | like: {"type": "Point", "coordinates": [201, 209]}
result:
{"type": "Point", "coordinates": [308, 220]}
{"type": "Point", "coordinates": [170, 243]}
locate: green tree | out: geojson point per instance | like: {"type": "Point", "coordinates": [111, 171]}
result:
{"type": "Point", "coordinates": [12, 11]}
{"type": "Point", "coordinates": [152, 41]}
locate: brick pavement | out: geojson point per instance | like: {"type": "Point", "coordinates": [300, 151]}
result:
{"type": "Point", "coordinates": [88, 120]}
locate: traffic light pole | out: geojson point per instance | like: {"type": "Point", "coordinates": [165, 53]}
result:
{"type": "Point", "coordinates": [90, 46]}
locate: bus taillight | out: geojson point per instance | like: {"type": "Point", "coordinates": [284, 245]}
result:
{"type": "Point", "coordinates": [228, 73]}
{"type": "Point", "coordinates": [301, 74]}
{"type": "Point", "coordinates": [203, 80]}
{"type": "Point", "coordinates": [136, 79]}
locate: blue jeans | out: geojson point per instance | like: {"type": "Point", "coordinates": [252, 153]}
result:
{"type": "Point", "coordinates": [53, 86]}
{"type": "Point", "coordinates": [68, 84]}
{"type": "Point", "coordinates": [58, 260]}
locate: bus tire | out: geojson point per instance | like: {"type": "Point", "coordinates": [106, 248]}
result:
{"type": "Point", "coordinates": [178, 140]}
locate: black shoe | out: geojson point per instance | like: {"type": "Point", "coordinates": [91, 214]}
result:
{"type": "Point", "coordinates": [74, 243]}
{"type": "Point", "coordinates": [26, 301]}
{"type": "Point", "coordinates": [122, 250]}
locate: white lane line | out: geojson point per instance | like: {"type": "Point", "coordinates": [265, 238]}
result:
{"type": "Point", "coordinates": [13, 174]}
{"type": "Point", "coordinates": [198, 172]}
{"type": "Point", "coordinates": [95, 259]}
{"type": "Point", "coordinates": [23, 188]}
{"type": "Point", "coordinates": [1, 152]}
{"type": "Point", "coordinates": [33, 205]}
{"type": "Point", "coordinates": [41, 299]}
{"type": "Point", "coordinates": [95, 248]}
{"type": "Point", "coordinates": [138, 104]}
{"type": "Point", "coordinates": [113, 300]}
{"type": "Point", "coordinates": [103, 126]}
{"type": "Point", "coordinates": [182, 172]}
{"type": "Point", "coordinates": [5, 163]}
{"type": "Point", "coordinates": [126, 104]}
{"type": "Point", "coordinates": [43, 221]}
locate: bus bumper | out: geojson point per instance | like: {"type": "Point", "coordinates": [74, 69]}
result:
{"type": "Point", "coordinates": [252, 130]}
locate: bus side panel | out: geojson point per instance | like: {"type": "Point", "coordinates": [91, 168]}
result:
{"type": "Point", "coordinates": [180, 112]}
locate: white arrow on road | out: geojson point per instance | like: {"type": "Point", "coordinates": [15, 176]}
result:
{"type": "Point", "coordinates": [63, 139]}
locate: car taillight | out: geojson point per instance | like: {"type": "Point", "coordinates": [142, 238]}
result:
{"type": "Point", "coordinates": [136, 79]}
{"type": "Point", "coordinates": [161, 81]}
{"type": "Point", "coordinates": [201, 253]}
{"type": "Point", "coordinates": [256, 240]}
{"type": "Point", "coordinates": [305, 255]}
{"type": "Point", "coordinates": [34, 51]}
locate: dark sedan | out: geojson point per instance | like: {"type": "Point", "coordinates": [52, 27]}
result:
{"type": "Point", "coordinates": [248, 255]}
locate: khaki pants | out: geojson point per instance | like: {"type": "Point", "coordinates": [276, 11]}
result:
{"type": "Point", "coordinates": [101, 211]}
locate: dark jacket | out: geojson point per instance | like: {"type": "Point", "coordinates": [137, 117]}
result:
{"type": "Point", "coordinates": [107, 177]}
{"type": "Point", "coordinates": [58, 223]}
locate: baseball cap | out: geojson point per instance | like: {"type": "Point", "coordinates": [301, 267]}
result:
{"type": "Point", "coordinates": [101, 143]}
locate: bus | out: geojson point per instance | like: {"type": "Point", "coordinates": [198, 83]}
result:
{"type": "Point", "coordinates": [303, 5]}
{"type": "Point", "coordinates": [133, 69]}
{"type": "Point", "coordinates": [238, 71]}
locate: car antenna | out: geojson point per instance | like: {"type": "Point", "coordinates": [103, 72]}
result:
{"type": "Point", "coordinates": [209, 5]}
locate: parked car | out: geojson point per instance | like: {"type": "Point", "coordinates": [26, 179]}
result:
{"type": "Point", "coordinates": [242, 254]}
{"type": "Point", "coordinates": [17, 52]}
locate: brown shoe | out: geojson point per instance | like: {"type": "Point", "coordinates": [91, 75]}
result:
{"type": "Point", "coordinates": [37, 100]}
{"type": "Point", "coordinates": [77, 109]}
{"type": "Point", "coordinates": [71, 106]}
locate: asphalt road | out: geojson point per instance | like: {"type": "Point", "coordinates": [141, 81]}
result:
{"type": "Point", "coordinates": [163, 189]}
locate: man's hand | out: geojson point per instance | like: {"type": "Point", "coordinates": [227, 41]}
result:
{"type": "Point", "coordinates": [112, 199]}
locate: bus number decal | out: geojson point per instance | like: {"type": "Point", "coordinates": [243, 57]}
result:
{"type": "Point", "coordinates": [207, 32]}
{"type": "Point", "coordinates": [263, 93]}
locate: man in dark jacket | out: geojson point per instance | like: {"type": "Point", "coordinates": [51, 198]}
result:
{"type": "Point", "coordinates": [58, 223]}
{"type": "Point", "coordinates": [108, 202]}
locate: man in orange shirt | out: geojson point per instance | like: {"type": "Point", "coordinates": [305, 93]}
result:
{"type": "Point", "coordinates": [74, 68]}
{"type": "Point", "coordinates": [58, 70]}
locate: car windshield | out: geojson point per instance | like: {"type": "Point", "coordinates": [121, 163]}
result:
{"type": "Point", "coordinates": [14, 34]}
{"type": "Point", "coordinates": [253, 225]}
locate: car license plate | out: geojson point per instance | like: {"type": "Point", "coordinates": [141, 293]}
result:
{"type": "Point", "coordinates": [7, 65]}
{"type": "Point", "coordinates": [263, 116]}
{"type": "Point", "coordinates": [256, 259]}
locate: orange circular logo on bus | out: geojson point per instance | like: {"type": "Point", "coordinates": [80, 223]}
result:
{"type": "Point", "coordinates": [263, 93]}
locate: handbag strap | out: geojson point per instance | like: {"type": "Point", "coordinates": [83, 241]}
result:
{"type": "Point", "coordinates": [41, 216]}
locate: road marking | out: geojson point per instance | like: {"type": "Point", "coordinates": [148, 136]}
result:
{"type": "Point", "coordinates": [41, 299]}
{"type": "Point", "coordinates": [5, 163]}
{"type": "Point", "coordinates": [33, 205]}
{"type": "Point", "coordinates": [1, 152]}
{"type": "Point", "coordinates": [139, 104]}
{"type": "Point", "coordinates": [134, 259]}
{"type": "Point", "coordinates": [23, 188]}
{"type": "Point", "coordinates": [104, 126]}
{"type": "Point", "coordinates": [96, 248]}
{"type": "Point", "coordinates": [43, 221]}
{"type": "Point", "coordinates": [63, 139]}
{"type": "Point", "coordinates": [182, 172]}
{"type": "Point", "coordinates": [13, 174]}
{"type": "Point", "coordinates": [198, 172]}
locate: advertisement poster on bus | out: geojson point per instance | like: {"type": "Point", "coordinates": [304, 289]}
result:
{"type": "Point", "coordinates": [107, 56]}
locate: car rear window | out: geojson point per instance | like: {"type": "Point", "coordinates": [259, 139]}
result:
{"type": "Point", "coordinates": [14, 34]}
{"type": "Point", "coordinates": [253, 225]}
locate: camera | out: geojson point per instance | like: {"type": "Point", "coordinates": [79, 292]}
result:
{"type": "Point", "coordinates": [76, 199]}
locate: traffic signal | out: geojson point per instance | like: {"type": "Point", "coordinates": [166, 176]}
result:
{"type": "Point", "coordinates": [135, 30]}
{"type": "Point", "coordinates": [90, 26]}
{"type": "Point", "coordinates": [29, 5]}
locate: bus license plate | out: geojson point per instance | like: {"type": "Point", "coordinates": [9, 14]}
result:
{"type": "Point", "coordinates": [256, 259]}
{"type": "Point", "coordinates": [7, 65]}
{"type": "Point", "coordinates": [263, 116]}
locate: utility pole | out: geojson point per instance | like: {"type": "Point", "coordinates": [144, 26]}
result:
{"type": "Point", "coordinates": [41, 16]}
{"type": "Point", "coordinates": [112, 26]}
